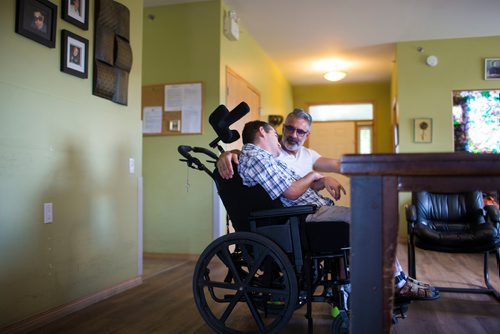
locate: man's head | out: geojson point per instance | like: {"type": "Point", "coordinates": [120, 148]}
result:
{"type": "Point", "coordinates": [262, 135]}
{"type": "Point", "coordinates": [38, 19]}
{"type": "Point", "coordinates": [296, 128]}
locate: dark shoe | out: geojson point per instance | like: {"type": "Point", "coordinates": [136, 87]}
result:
{"type": "Point", "coordinates": [415, 290]}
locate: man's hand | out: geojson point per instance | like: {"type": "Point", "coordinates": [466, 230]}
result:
{"type": "Point", "coordinates": [331, 185]}
{"type": "Point", "coordinates": [224, 163]}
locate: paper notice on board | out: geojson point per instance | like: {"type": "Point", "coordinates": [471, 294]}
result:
{"type": "Point", "coordinates": [191, 120]}
{"type": "Point", "coordinates": [152, 119]}
{"type": "Point", "coordinates": [174, 97]}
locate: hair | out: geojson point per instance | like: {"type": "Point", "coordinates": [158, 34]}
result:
{"type": "Point", "coordinates": [300, 113]}
{"type": "Point", "coordinates": [250, 130]}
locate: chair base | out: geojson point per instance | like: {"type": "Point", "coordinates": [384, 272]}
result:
{"type": "Point", "coordinates": [487, 291]}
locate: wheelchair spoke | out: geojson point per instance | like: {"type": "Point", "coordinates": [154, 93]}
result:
{"type": "Point", "coordinates": [255, 314]}
{"type": "Point", "coordinates": [225, 257]}
{"type": "Point", "coordinates": [231, 306]}
{"type": "Point", "coordinates": [221, 285]}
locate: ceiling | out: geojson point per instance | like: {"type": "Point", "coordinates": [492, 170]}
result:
{"type": "Point", "coordinates": [303, 35]}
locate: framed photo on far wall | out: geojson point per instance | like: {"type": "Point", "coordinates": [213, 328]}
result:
{"type": "Point", "coordinates": [37, 20]}
{"type": "Point", "coordinates": [74, 54]}
{"type": "Point", "coordinates": [422, 130]}
{"type": "Point", "coordinates": [492, 69]}
{"type": "Point", "coordinates": [76, 12]}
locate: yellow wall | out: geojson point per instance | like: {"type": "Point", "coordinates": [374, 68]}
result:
{"type": "Point", "coordinates": [184, 43]}
{"type": "Point", "coordinates": [247, 58]}
{"type": "Point", "coordinates": [377, 93]}
{"type": "Point", "coordinates": [61, 144]}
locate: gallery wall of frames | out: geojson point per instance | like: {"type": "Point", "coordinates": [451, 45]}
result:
{"type": "Point", "coordinates": [112, 59]}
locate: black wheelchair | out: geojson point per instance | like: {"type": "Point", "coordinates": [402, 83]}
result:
{"type": "Point", "coordinates": [252, 280]}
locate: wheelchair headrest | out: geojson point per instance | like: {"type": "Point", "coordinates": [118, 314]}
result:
{"type": "Point", "coordinates": [221, 119]}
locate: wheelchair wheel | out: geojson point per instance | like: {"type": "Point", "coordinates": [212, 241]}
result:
{"type": "Point", "coordinates": [244, 283]}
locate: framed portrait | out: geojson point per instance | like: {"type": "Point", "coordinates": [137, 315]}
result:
{"type": "Point", "coordinates": [37, 20]}
{"type": "Point", "coordinates": [492, 69]}
{"type": "Point", "coordinates": [422, 130]}
{"type": "Point", "coordinates": [76, 12]}
{"type": "Point", "coordinates": [74, 54]}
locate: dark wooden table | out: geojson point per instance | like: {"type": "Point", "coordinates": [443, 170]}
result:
{"type": "Point", "coordinates": [376, 180]}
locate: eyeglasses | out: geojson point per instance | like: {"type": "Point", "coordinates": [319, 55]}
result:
{"type": "Point", "coordinates": [292, 129]}
{"type": "Point", "coordinates": [38, 18]}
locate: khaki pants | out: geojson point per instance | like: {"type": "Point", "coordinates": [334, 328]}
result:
{"type": "Point", "coordinates": [330, 213]}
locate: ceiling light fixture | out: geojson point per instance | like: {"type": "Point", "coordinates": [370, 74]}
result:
{"type": "Point", "coordinates": [335, 75]}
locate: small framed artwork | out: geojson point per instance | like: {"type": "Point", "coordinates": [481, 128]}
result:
{"type": "Point", "coordinates": [422, 130]}
{"type": "Point", "coordinates": [76, 12]}
{"type": "Point", "coordinates": [492, 69]}
{"type": "Point", "coordinates": [37, 20]}
{"type": "Point", "coordinates": [74, 54]}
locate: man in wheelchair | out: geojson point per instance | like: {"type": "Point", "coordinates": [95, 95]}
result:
{"type": "Point", "coordinates": [258, 166]}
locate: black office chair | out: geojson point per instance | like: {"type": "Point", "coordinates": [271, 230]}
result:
{"type": "Point", "coordinates": [453, 223]}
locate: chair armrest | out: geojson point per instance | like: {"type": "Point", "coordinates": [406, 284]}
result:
{"type": "Point", "coordinates": [290, 211]}
{"type": "Point", "coordinates": [492, 213]}
{"type": "Point", "coordinates": [411, 213]}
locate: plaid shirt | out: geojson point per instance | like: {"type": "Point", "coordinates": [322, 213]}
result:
{"type": "Point", "coordinates": [258, 166]}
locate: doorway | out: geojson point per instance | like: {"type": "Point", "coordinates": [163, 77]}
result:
{"type": "Point", "coordinates": [237, 90]}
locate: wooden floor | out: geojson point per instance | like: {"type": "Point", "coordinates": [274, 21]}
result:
{"type": "Point", "coordinates": [164, 304]}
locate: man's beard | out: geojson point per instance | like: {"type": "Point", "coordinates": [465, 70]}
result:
{"type": "Point", "coordinates": [291, 145]}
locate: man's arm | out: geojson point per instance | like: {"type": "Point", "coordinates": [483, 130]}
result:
{"type": "Point", "coordinates": [333, 186]}
{"type": "Point", "coordinates": [327, 165]}
{"type": "Point", "coordinates": [225, 163]}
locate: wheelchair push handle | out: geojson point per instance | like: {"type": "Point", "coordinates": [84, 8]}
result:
{"type": "Point", "coordinates": [194, 162]}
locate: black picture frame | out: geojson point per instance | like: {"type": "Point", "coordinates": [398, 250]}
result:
{"type": "Point", "coordinates": [76, 12]}
{"type": "Point", "coordinates": [74, 54]}
{"type": "Point", "coordinates": [37, 20]}
{"type": "Point", "coordinates": [492, 69]}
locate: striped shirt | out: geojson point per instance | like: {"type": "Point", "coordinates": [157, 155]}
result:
{"type": "Point", "coordinates": [257, 166]}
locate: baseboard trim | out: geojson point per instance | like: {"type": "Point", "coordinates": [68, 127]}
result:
{"type": "Point", "coordinates": [47, 317]}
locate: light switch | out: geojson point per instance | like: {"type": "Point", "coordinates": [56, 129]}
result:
{"type": "Point", "coordinates": [131, 165]}
{"type": "Point", "coordinates": [47, 213]}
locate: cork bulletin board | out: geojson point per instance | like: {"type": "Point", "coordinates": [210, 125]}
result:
{"type": "Point", "coordinates": [172, 109]}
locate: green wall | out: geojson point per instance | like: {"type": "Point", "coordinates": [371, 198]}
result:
{"type": "Point", "coordinates": [61, 144]}
{"type": "Point", "coordinates": [185, 43]}
{"type": "Point", "coordinates": [424, 91]}
{"type": "Point", "coordinates": [377, 93]}
{"type": "Point", "coordinates": [180, 45]}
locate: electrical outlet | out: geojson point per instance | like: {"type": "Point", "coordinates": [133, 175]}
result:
{"type": "Point", "coordinates": [47, 213]}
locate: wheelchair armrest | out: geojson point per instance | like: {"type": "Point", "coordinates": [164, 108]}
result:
{"type": "Point", "coordinates": [492, 213]}
{"type": "Point", "coordinates": [290, 211]}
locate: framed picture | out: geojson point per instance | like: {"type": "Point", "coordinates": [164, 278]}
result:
{"type": "Point", "coordinates": [422, 130]}
{"type": "Point", "coordinates": [37, 20]}
{"type": "Point", "coordinates": [492, 69]}
{"type": "Point", "coordinates": [74, 54]}
{"type": "Point", "coordinates": [76, 12]}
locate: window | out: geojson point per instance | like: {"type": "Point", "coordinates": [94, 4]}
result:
{"type": "Point", "coordinates": [341, 112]}
{"type": "Point", "coordinates": [361, 114]}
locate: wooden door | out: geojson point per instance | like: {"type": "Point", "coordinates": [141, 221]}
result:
{"type": "Point", "coordinates": [238, 89]}
{"type": "Point", "coordinates": [333, 139]}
